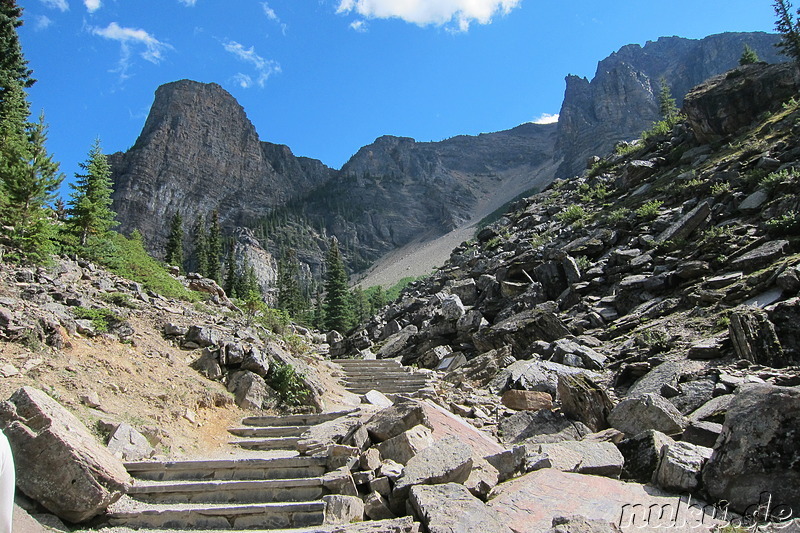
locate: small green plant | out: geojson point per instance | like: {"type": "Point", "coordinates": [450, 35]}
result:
{"type": "Point", "coordinates": [119, 299]}
{"type": "Point", "coordinates": [275, 320]}
{"type": "Point", "coordinates": [589, 194]}
{"type": "Point", "coordinates": [624, 148]}
{"type": "Point", "coordinates": [618, 215]}
{"type": "Point", "coordinates": [784, 225]}
{"type": "Point", "coordinates": [774, 179]}
{"type": "Point", "coordinates": [649, 210]}
{"type": "Point", "coordinates": [583, 262]}
{"type": "Point", "coordinates": [662, 127]}
{"type": "Point", "coordinates": [599, 167]}
{"type": "Point", "coordinates": [572, 214]}
{"type": "Point", "coordinates": [718, 189]}
{"type": "Point", "coordinates": [296, 343]}
{"type": "Point", "coordinates": [288, 383]}
{"type": "Point", "coordinates": [541, 239]}
{"type": "Point", "coordinates": [493, 243]}
{"type": "Point", "coordinates": [102, 319]}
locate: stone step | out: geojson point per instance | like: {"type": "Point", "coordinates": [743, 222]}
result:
{"type": "Point", "coordinates": [384, 390]}
{"type": "Point", "coordinates": [278, 468]}
{"type": "Point", "coordinates": [367, 363]}
{"type": "Point", "coordinates": [273, 431]}
{"type": "Point", "coordinates": [405, 379]}
{"type": "Point", "coordinates": [373, 372]}
{"type": "Point", "coordinates": [271, 443]}
{"type": "Point", "coordinates": [225, 517]}
{"type": "Point", "coordinates": [250, 491]}
{"type": "Point", "coordinates": [294, 420]}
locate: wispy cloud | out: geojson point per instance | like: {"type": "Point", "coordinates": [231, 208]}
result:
{"type": "Point", "coordinates": [460, 13]}
{"type": "Point", "coordinates": [61, 5]}
{"type": "Point", "coordinates": [264, 67]}
{"type": "Point", "coordinates": [92, 5]}
{"type": "Point", "coordinates": [359, 26]}
{"type": "Point", "coordinates": [546, 118]}
{"type": "Point", "coordinates": [188, 3]}
{"type": "Point", "coordinates": [271, 15]}
{"type": "Point", "coordinates": [152, 49]}
{"type": "Point", "coordinates": [42, 23]}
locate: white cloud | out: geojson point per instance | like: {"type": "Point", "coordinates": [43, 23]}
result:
{"type": "Point", "coordinates": [188, 3]}
{"type": "Point", "coordinates": [243, 80]}
{"type": "Point", "coordinates": [61, 5]}
{"type": "Point", "coordinates": [92, 5]}
{"type": "Point", "coordinates": [269, 12]}
{"type": "Point", "coordinates": [359, 26]}
{"type": "Point", "coordinates": [43, 22]}
{"type": "Point", "coordinates": [546, 118]}
{"type": "Point", "coordinates": [425, 12]}
{"type": "Point", "coordinates": [128, 38]}
{"type": "Point", "coordinates": [264, 67]}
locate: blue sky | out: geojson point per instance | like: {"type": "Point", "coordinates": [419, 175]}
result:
{"type": "Point", "coordinates": [329, 76]}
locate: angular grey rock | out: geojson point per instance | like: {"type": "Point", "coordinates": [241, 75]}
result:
{"type": "Point", "coordinates": [340, 481]}
{"type": "Point", "coordinates": [702, 433]}
{"type": "Point", "coordinates": [449, 460]}
{"type": "Point", "coordinates": [535, 375]}
{"type": "Point", "coordinates": [583, 400]}
{"type": "Point", "coordinates": [483, 478]}
{"type": "Point", "coordinates": [642, 454]}
{"type": "Point", "coordinates": [753, 337]}
{"type": "Point", "coordinates": [666, 373]}
{"type": "Point", "coordinates": [522, 330]}
{"type": "Point", "coordinates": [375, 397]}
{"type": "Point", "coordinates": [397, 342]}
{"type": "Point", "coordinates": [256, 361]}
{"type": "Point", "coordinates": [376, 507]}
{"type": "Point", "coordinates": [452, 308]}
{"type": "Point", "coordinates": [760, 418]}
{"type": "Point", "coordinates": [693, 394]}
{"type": "Point", "coordinates": [129, 445]}
{"type": "Point", "coordinates": [754, 201]}
{"type": "Point", "coordinates": [650, 411]}
{"type": "Point", "coordinates": [584, 457]}
{"type": "Point", "coordinates": [250, 391]}
{"type": "Point", "coordinates": [684, 227]}
{"type": "Point", "coordinates": [58, 462]}
{"type": "Point", "coordinates": [680, 466]}
{"type": "Point", "coordinates": [539, 427]}
{"type": "Point", "coordinates": [390, 469]}
{"type": "Point", "coordinates": [450, 508]}
{"type": "Point", "coordinates": [202, 336]}
{"type": "Point", "coordinates": [508, 462]}
{"type": "Point", "coordinates": [340, 509]}
{"type": "Point", "coordinates": [761, 256]}
{"type": "Point", "coordinates": [406, 445]}
{"type": "Point", "coordinates": [525, 400]}
{"type": "Point", "coordinates": [394, 420]}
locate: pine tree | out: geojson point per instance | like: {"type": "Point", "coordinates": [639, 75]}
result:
{"type": "Point", "coordinates": [174, 250]}
{"type": "Point", "coordinates": [14, 71]}
{"type": "Point", "coordinates": [214, 249]}
{"type": "Point", "coordinates": [30, 179]}
{"type": "Point", "coordinates": [290, 297]}
{"type": "Point", "coordinates": [90, 203]}
{"type": "Point", "coordinates": [377, 300]}
{"type": "Point", "coordinates": [359, 304]}
{"type": "Point", "coordinates": [200, 242]}
{"type": "Point", "coordinates": [666, 103]}
{"type": "Point", "coordinates": [789, 28]}
{"type": "Point", "coordinates": [230, 283]}
{"type": "Point", "coordinates": [338, 315]}
{"type": "Point", "coordinates": [749, 56]}
{"type": "Point", "coordinates": [318, 317]}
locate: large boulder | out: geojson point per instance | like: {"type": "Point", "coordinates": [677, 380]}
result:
{"type": "Point", "coordinates": [584, 400]}
{"type": "Point", "coordinates": [539, 427]}
{"type": "Point", "coordinates": [394, 420]}
{"type": "Point", "coordinates": [642, 454]}
{"type": "Point", "coordinates": [650, 411]}
{"type": "Point", "coordinates": [449, 460]}
{"type": "Point", "coordinates": [680, 466]}
{"type": "Point", "coordinates": [757, 451]}
{"type": "Point", "coordinates": [584, 457]}
{"type": "Point", "coordinates": [450, 508]}
{"type": "Point", "coordinates": [58, 462]}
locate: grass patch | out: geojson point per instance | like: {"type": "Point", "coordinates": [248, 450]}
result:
{"type": "Point", "coordinates": [102, 319]}
{"type": "Point", "coordinates": [649, 210]}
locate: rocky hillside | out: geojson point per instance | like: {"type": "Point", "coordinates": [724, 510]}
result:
{"type": "Point", "coordinates": [647, 294]}
{"type": "Point", "coordinates": [198, 152]}
{"type": "Point", "coordinates": [621, 100]}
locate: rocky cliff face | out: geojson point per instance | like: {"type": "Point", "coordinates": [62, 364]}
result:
{"type": "Point", "coordinates": [199, 152]}
{"type": "Point", "coordinates": [622, 99]}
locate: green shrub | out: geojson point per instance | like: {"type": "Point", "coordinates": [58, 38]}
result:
{"type": "Point", "coordinates": [718, 189]}
{"type": "Point", "coordinates": [126, 257]}
{"type": "Point", "coordinates": [275, 320]}
{"type": "Point", "coordinates": [774, 179]}
{"type": "Point", "coordinates": [589, 194]}
{"type": "Point", "coordinates": [650, 210]}
{"type": "Point", "coordinates": [600, 167]}
{"type": "Point", "coordinates": [288, 383]}
{"type": "Point", "coordinates": [662, 127]}
{"type": "Point", "coordinates": [784, 225]}
{"type": "Point", "coordinates": [102, 318]}
{"type": "Point", "coordinates": [572, 214]}
{"type": "Point", "coordinates": [119, 299]}
{"type": "Point", "coordinates": [618, 215]}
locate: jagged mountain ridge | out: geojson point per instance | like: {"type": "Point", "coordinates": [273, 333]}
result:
{"type": "Point", "coordinates": [621, 100]}
{"type": "Point", "coordinates": [198, 152]}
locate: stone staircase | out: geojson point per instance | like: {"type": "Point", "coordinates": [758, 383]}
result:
{"type": "Point", "coordinates": [385, 375]}
{"type": "Point", "coordinates": [232, 494]}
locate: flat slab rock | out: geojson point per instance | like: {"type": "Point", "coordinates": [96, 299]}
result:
{"type": "Point", "coordinates": [529, 503]}
{"type": "Point", "coordinates": [450, 508]}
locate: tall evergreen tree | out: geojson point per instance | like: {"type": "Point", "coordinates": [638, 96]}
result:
{"type": "Point", "coordinates": [30, 179]}
{"type": "Point", "coordinates": [749, 56]}
{"type": "Point", "coordinates": [789, 28]}
{"type": "Point", "coordinates": [229, 284]}
{"type": "Point", "coordinates": [174, 250]}
{"type": "Point", "coordinates": [338, 314]}
{"type": "Point", "coordinates": [214, 249]}
{"type": "Point", "coordinates": [90, 203]}
{"type": "Point", "coordinates": [14, 71]}
{"type": "Point", "coordinates": [200, 243]}
{"type": "Point", "coordinates": [290, 297]}
{"type": "Point", "coordinates": [377, 299]}
{"type": "Point", "coordinates": [666, 103]}
{"type": "Point", "coordinates": [359, 304]}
